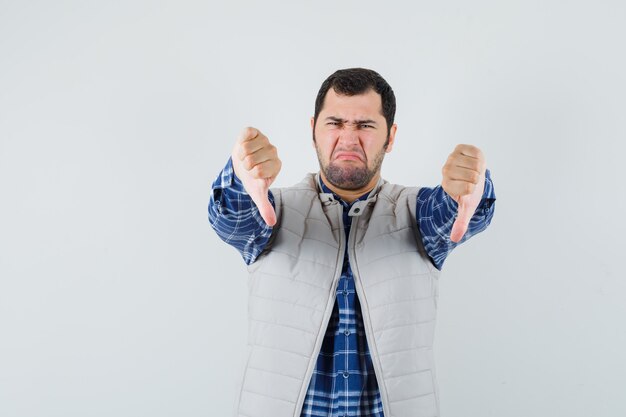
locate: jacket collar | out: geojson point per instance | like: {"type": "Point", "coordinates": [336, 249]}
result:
{"type": "Point", "coordinates": [357, 207]}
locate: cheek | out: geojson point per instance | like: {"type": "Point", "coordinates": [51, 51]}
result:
{"type": "Point", "coordinates": [373, 149]}
{"type": "Point", "coordinates": [323, 149]}
{"type": "Point", "coordinates": [326, 143]}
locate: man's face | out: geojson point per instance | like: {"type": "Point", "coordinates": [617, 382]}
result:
{"type": "Point", "coordinates": [350, 137]}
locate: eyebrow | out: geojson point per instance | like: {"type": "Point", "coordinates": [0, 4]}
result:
{"type": "Point", "coordinates": [358, 122]}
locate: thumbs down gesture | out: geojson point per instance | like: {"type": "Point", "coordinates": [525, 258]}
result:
{"type": "Point", "coordinates": [256, 163]}
{"type": "Point", "coordinates": [464, 181]}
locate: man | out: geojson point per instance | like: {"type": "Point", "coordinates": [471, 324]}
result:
{"type": "Point", "coordinates": [344, 266]}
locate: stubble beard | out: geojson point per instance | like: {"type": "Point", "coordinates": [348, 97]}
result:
{"type": "Point", "coordinates": [348, 177]}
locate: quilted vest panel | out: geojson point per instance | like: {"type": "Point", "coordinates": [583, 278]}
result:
{"type": "Point", "coordinates": [292, 292]}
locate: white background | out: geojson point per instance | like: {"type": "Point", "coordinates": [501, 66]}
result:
{"type": "Point", "coordinates": [118, 299]}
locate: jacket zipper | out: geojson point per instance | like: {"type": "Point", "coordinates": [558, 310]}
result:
{"type": "Point", "coordinates": [369, 331]}
{"type": "Point", "coordinates": [329, 309]}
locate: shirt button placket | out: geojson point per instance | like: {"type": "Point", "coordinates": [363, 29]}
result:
{"type": "Point", "coordinates": [345, 293]}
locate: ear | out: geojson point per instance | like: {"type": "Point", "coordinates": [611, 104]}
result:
{"type": "Point", "coordinates": [392, 137]}
{"type": "Point", "coordinates": [313, 132]}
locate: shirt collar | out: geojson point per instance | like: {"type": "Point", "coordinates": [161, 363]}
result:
{"type": "Point", "coordinates": [327, 190]}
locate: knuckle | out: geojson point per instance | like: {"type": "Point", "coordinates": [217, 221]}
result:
{"type": "Point", "coordinates": [251, 146]}
{"type": "Point", "coordinates": [248, 162]}
{"type": "Point", "coordinates": [260, 171]}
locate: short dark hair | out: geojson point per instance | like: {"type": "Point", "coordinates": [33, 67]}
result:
{"type": "Point", "coordinates": [353, 81]}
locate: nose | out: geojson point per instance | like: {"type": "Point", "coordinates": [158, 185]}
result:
{"type": "Point", "coordinates": [349, 134]}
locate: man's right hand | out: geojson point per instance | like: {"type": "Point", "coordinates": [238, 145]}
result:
{"type": "Point", "coordinates": [256, 163]}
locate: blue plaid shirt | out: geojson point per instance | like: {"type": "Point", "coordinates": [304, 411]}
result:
{"type": "Point", "coordinates": [343, 381]}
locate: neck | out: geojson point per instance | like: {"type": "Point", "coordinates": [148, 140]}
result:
{"type": "Point", "coordinates": [351, 195]}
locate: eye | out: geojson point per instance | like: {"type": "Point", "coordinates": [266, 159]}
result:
{"type": "Point", "coordinates": [363, 126]}
{"type": "Point", "coordinates": [333, 123]}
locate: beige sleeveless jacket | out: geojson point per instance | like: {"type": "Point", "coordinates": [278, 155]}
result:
{"type": "Point", "coordinates": [292, 292]}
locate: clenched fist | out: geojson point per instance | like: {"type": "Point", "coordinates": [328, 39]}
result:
{"type": "Point", "coordinates": [256, 163]}
{"type": "Point", "coordinates": [464, 181]}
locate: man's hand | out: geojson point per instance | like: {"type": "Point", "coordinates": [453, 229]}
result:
{"type": "Point", "coordinates": [464, 181]}
{"type": "Point", "coordinates": [256, 163]}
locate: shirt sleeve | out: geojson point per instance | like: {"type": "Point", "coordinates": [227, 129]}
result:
{"type": "Point", "coordinates": [436, 213]}
{"type": "Point", "coordinates": [234, 216]}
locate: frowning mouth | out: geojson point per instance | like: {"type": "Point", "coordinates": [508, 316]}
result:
{"type": "Point", "coordinates": [348, 156]}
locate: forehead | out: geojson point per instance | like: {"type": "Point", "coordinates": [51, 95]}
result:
{"type": "Point", "coordinates": [360, 106]}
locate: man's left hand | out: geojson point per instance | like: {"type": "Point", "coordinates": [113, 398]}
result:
{"type": "Point", "coordinates": [464, 181]}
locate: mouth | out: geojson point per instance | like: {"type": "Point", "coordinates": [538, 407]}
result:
{"type": "Point", "coordinates": [348, 156]}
